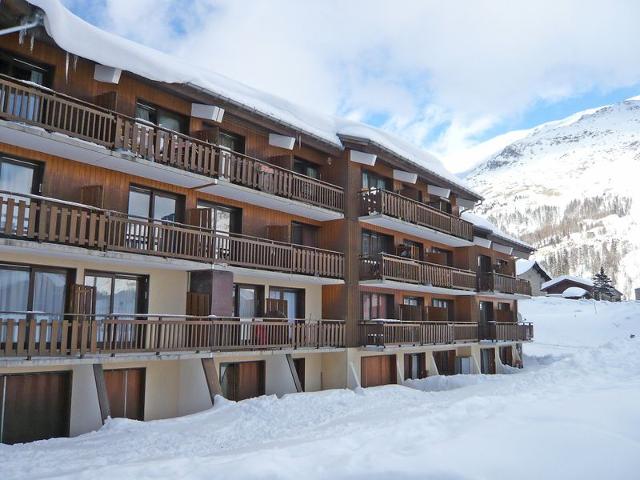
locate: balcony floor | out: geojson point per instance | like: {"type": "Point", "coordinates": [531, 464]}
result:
{"type": "Point", "coordinates": [35, 138]}
{"type": "Point", "coordinates": [506, 296]}
{"type": "Point", "coordinates": [392, 223]}
{"type": "Point", "coordinates": [53, 252]}
{"type": "Point", "coordinates": [413, 287]}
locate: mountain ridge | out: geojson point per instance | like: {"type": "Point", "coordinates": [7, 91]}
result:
{"type": "Point", "coordinates": [571, 187]}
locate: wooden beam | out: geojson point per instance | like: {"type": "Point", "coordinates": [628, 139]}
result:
{"type": "Point", "coordinates": [294, 373]}
{"type": "Point", "coordinates": [101, 387]}
{"type": "Point", "coordinates": [211, 375]}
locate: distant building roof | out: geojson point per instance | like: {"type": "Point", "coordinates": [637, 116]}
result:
{"type": "Point", "coordinates": [523, 266]}
{"type": "Point", "coordinates": [582, 281]}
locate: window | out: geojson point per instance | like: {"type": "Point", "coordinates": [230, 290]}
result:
{"type": "Point", "coordinates": [294, 297]}
{"type": "Point", "coordinates": [24, 70]}
{"type": "Point", "coordinates": [19, 176]}
{"type": "Point", "coordinates": [505, 307]}
{"type": "Point", "coordinates": [39, 289]}
{"type": "Point", "coordinates": [376, 305]}
{"type": "Point", "coordinates": [440, 203]}
{"type": "Point", "coordinates": [155, 204]}
{"type": "Point", "coordinates": [223, 219]}
{"type": "Point", "coordinates": [413, 301]}
{"type": "Point", "coordinates": [231, 141]}
{"type": "Point", "coordinates": [304, 234]}
{"type": "Point", "coordinates": [118, 293]}
{"type": "Point", "coordinates": [486, 312]}
{"type": "Point", "coordinates": [484, 264]}
{"type": "Point", "coordinates": [161, 117]}
{"type": "Point", "coordinates": [247, 300]}
{"type": "Point", "coordinates": [444, 304]}
{"type": "Point", "coordinates": [374, 243]}
{"type": "Point", "coordinates": [306, 168]}
{"type": "Point", "coordinates": [371, 180]}
{"type": "Point", "coordinates": [412, 250]}
{"type": "Point", "coordinates": [463, 366]}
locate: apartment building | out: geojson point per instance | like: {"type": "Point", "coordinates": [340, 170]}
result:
{"type": "Point", "coordinates": [168, 235]}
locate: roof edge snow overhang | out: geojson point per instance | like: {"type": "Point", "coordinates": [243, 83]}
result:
{"type": "Point", "coordinates": [352, 141]}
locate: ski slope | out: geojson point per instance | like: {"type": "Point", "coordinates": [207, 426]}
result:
{"type": "Point", "coordinates": [571, 413]}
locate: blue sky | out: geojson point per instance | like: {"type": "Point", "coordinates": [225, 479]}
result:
{"type": "Point", "coordinates": [445, 75]}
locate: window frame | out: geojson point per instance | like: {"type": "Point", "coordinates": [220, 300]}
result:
{"type": "Point", "coordinates": [235, 226]}
{"type": "Point", "coordinates": [142, 297]}
{"type": "Point", "coordinates": [14, 61]}
{"type": "Point", "coordinates": [183, 120]}
{"type": "Point", "coordinates": [306, 165]}
{"type": "Point", "coordinates": [179, 199]}
{"type": "Point", "coordinates": [236, 136]}
{"type": "Point", "coordinates": [258, 302]}
{"type": "Point", "coordinates": [388, 301]}
{"type": "Point", "coordinates": [300, 294]}
{"type": "Point", "coordinates": [37, 167]}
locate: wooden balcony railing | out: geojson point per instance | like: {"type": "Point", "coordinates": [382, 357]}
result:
{"type": "Point", "coordinates": [375, 201]}
{"type": "Point", "coordinates": [507, 331]}
{"type": "Point", "coordinates": [45, 108]}
{"type": "Point", "coordinates": [32, 217]}
{"type": "Point", "coordinates": [390, 267]}
{"type": "Point", "coordinates": [497, 282]}
{"type": "Point", "coordinates": [385, 333]}
{"type": "Point", "coordinates": [32, 334]}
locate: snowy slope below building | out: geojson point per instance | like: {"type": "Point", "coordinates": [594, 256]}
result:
{"type": "Point", "coordinates": [574, 405]}
{"type": "Point", "coordinates": [570, 187]}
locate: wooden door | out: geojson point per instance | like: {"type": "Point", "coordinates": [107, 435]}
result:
{"type": "Point", "coordinates": [415, 366]}
{"type": "Point", "coordinates": [125, 389]}
{"type": "Point", "coordinates": [34, 406]}
{"type": "Point", "coordinates": [488, 360]}
{"type": "Point", "coordinates": [506, 356]}
{"type": "Point", "coordinates": [445, 362]}
{"type": "Point", "coordinates": [378, 370]}
{"type": "Point", "coordinates": [242, 380]}
{"type": "Point", "coordinates": [299, 365]}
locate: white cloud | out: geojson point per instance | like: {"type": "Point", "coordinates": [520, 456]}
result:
{"type": "Point", "coordinates": [457, 68]}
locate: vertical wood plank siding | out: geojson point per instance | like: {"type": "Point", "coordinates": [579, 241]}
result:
{"type": "Point", "coordinates": [46, 220]}
{"type": "Point", "coordinates": [497, 282]}
{"type": "Point", "coordinates": [60, 113]}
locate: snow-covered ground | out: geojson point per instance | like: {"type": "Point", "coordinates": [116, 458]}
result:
{"type": "Point", "coordinates": [573, 412]}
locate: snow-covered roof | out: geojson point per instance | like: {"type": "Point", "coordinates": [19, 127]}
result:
{"type": "Point", "coordinates": [485, 224]}
{"type": "Point", "coordinates": [80, 38]}
{"type": "Point", "coordinates": [583, 281]}
{"type": "Point", "coordinates": [524, 265]}
{"type": "Point", "coordinates": [574, 292]}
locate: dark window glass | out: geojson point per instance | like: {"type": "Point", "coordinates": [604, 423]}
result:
{"type": "Point", "coordinates": [154, 204]}
{"type": "Point", "coordinates": [118, 293]}
{"type": "Point", "coordinates": [306, 168]}
{"type": "Point", "coordinates": [448, 255]}
{"type": "Point", "coordinates": [371, 180]}
{"type": "Point", "coordinates": [231, 141]}
{"type": "Point", "coordinates": [374, 243]}
{"type": "Point", "coordinates": [414, 301]}
{"type": "Point", "coordinates": [304, 234]}
{"type": "Point", "coordinates": [24, 70]}
{"type": "Point", "coordinates": [293, 296]}
{"type": "Point", "coordinates": [248, 300]}
{"type": "Point", "coordinates": [161, 117]}
{"type": "Point", "coordinates": [440, 203]}
{"type": "Point", "coordinates": [486, 312]}
{"type": "Point", "coordinates": [223, 219]}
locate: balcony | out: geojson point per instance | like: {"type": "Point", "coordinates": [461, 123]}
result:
{"type": "Point", "coordinates": [507, 332]}
{"type": "Point", "coordinates": [32, 334]}
{"type": "Point", "coordinates": [40, 219]}
{"type": "Point", "coordinates": [500, 283]}
{"type": "Point", "coordinates": [407, 273]}
{"type": "Point", "coordinates": [396, 333]}
{"type": "Point", "coordinates": [97, 136]}
{"type": "Point", "coordinates": [390, 210]}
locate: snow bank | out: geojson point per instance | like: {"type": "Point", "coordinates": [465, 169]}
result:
{"type": "Point", "coordinates": [80, 38]}
{"type": "Point", "coordinates": [574, 292]}
{"type": "Point", "coordinates": [575, 404]}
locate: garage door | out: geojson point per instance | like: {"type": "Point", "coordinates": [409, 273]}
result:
{"type": "Point", "coordinates": [242, 380]}
{"type": "Point", "coordinates": [488, 360]}
{"type": "Point", "coordinates": [125, 389]}
{"type": "Point", "coordinates": [378, 370]}
{"type": "Point", "coordinates": [34, 406]}
{"type": "Point", "coordinates": [445, 362]}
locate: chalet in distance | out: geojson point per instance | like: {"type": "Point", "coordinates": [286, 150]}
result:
{"type": "Point", "coordinates": [167, 236]}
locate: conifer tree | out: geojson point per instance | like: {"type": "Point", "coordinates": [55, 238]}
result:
{"type": "Point", "coordinates": [602, 285]}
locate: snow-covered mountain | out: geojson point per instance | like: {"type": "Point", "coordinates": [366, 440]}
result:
{"type": "Point", "coordinates": [572, 188]}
